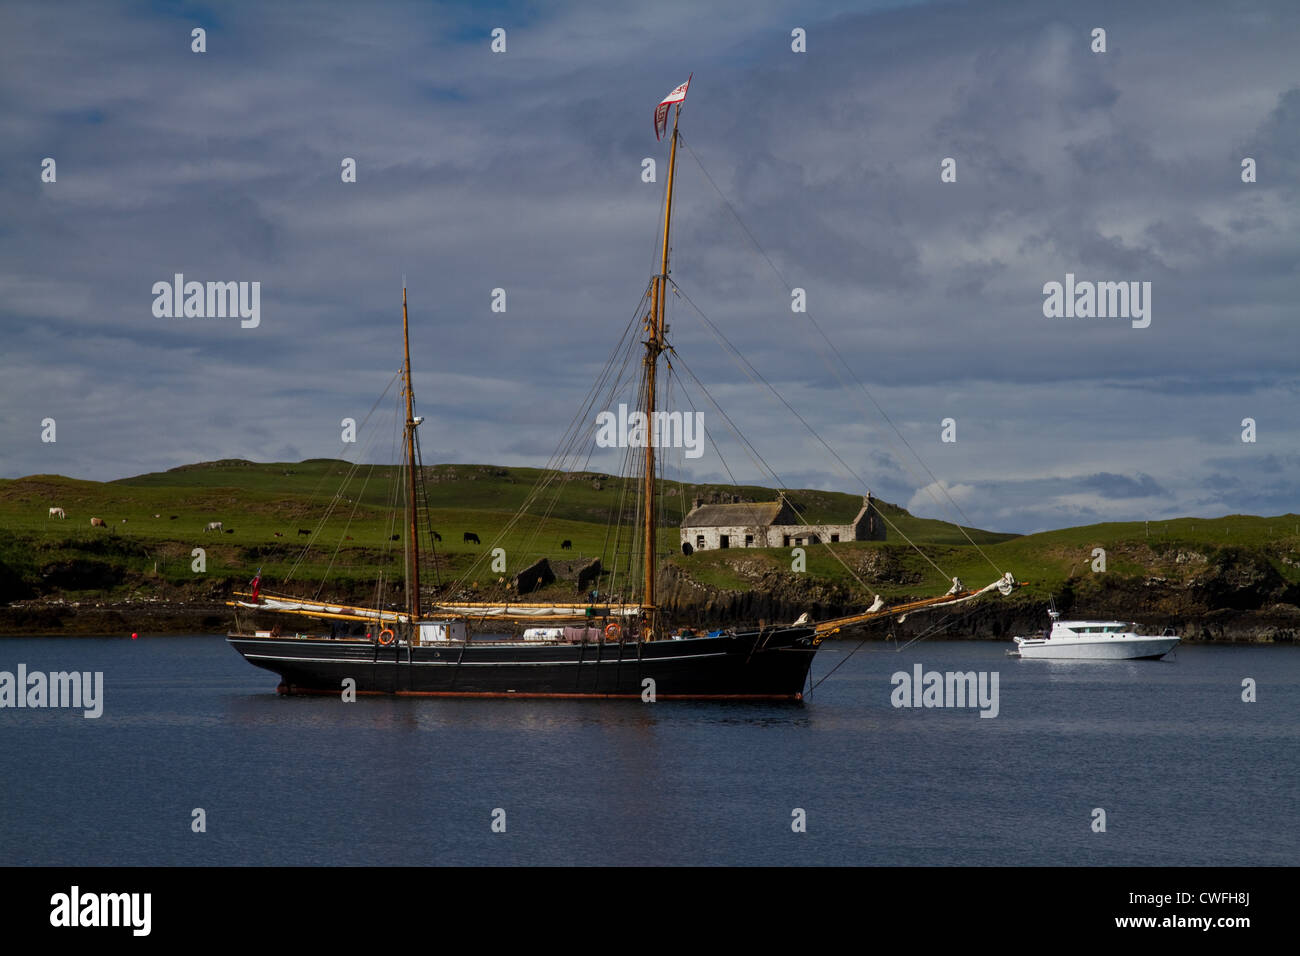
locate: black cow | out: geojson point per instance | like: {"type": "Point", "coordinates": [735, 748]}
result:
{"type": "Point", "coordinates": [566, 545]}
{"type": "Point", "coordinates": [394, 537]}
{"type": "Point", "coordinates": [304, 531]}
{"type": "Point", "coordinates": [229, 530]}
{"type": "Point", "coordinates": [172, 517]}
{"type": "Point", "coordinates": [436, 536]}
{"type": "Point", "coordinates": [471, 536]}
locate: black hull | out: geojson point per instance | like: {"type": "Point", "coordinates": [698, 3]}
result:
{"type": "Point", "coordinates": [769, 664]}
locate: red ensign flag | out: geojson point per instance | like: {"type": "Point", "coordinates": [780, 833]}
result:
{"type": "Point", "coordinates": [661, 111]}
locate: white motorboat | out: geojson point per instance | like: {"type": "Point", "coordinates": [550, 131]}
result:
{"type": "Point", "coordinates": [1094, 640]}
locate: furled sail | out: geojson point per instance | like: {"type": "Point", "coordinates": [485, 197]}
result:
{"type": "Point", "coordinates": [296, 606]}
{"type": "Point", "coordinates": [539, 611]}
{"type": "Point", "coordinates": [523, 611]}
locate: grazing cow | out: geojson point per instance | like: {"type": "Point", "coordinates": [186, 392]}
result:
{"type": "Point", "coordinates": [57, 513]}
{"type": "Point", "coordinates": [212, 526]}
{"type": "Point", "coordinates": [304, 531]}
{"type": "Point", "coordinates": [172, 517]}
{"type": "Point", "coordinates": [157, 516]}
{"type": "Point", "coordinates": [394, 537]}
{"type": "Point", "coordinates": [279, 534]}
{"type": "Point", "coordinates": [566, 545]}
{"type": "Point", "coordinates": [471, 536]}
{"type": "Point", "coordinates": [436, 536]}
{"type": "Point", "coordinates": [98, 523]}
{"type": "Point", "coordinates": [229, 530]}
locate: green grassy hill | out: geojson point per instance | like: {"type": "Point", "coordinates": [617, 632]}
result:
{"type": "Point", "coordinates": [1177, 550]}
{"type": "Point", "coordinates": [350, 512]}
{"type": "Point", "coordinates": [1189, 565]}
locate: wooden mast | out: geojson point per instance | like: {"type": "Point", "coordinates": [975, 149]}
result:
{"type": "Point", "coordinates": [412, 549]}
{"type": "Point", "coordinates": [654, 346]}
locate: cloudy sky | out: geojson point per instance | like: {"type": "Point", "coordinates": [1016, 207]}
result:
{"type": "Point", "coordinates": [521, 170]}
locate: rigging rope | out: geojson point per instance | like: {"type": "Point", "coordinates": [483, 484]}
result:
{"type": "Point", "coordinates": [785, 283]}
{"type": "Point", "coordinates": [348, 477]}
{"type": "Point", "coordinates": [942, 625]}
{"type": "Point", "coordinates": [756, 376]}
{"type": "Point", "coordinates": [769, 471]}
{"type": "Point", "coordinates": [571, 444]}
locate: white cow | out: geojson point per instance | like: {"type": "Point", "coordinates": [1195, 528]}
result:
{"type": "Point", "coordinates": [213, 526]}
{"type": "Point", "coordinates": [57, 513]}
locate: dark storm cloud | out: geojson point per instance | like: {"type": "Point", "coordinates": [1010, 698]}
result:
{"type": "Point", "coordinates": [522, 171]}
{"type": "Point", "coordinates": [1122, 486]}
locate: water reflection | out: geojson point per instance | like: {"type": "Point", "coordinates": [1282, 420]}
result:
{"type": "Point", "coordinates": [307, 780]}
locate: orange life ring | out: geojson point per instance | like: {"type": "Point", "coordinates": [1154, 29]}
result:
{"type": "Point", "coordinates": [389, 632]}
{"type": "Point", "coordinates": [613, 632]}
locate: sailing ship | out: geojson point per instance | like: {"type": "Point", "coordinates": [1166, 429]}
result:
{"type": "Point", "coordinates": [599, 649]}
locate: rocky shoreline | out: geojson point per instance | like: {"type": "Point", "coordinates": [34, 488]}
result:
{"type": "Point", "coordinates": [1277, 624]}
{"type": "Point", "coordinates": [99, 619]}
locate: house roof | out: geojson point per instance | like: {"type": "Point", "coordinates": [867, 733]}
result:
{"type": "Point", "coordinates": [739, 515]}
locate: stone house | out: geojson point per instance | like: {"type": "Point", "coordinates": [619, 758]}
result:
{"type": "Point", "coordinates": [769, 524]}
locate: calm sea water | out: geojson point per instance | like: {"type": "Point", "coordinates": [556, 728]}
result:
{"type": "Point", "coordinates": [1186, 772]}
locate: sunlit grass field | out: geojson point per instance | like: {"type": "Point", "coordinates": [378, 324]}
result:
{"type": "Point", "coordinates": [350, 515]}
